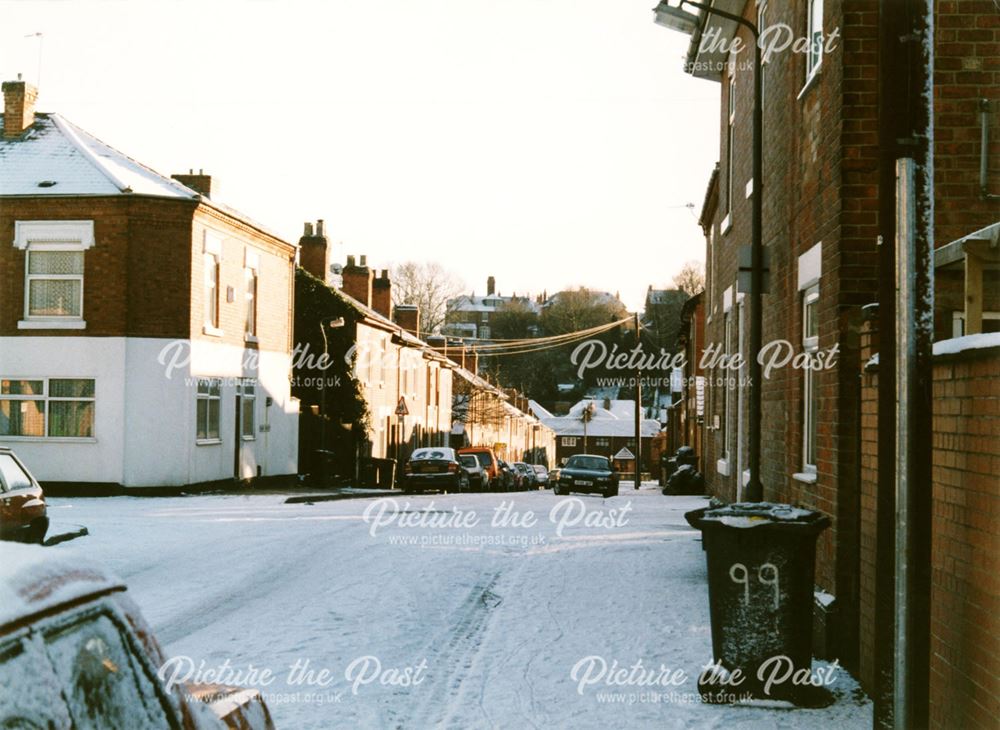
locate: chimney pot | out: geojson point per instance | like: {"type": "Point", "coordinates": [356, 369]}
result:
{"type": "Point", "coordinates": [308, 229]}
{"type": "Point", "coordinates": [350, 261]}
{"type": "Point", "coordinates": [319, 227]}
{"type": "Point", "coordinates": [364, 260]}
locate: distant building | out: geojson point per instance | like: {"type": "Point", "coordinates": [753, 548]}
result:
{"type": "Point", "coordinates": [610, 429]}
{"type": "Point", "coordinates": [471, 316]}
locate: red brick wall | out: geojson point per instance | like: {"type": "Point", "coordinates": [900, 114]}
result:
{"type": "Point", "coordinates": [965, 628]}
{"type": "Point", "coordinates": [143, 276]}
{"type": "Point", "coordinates": [966, 69]}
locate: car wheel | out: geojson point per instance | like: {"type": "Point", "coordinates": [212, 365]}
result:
{"type": "Point", "coordinates": [463, 484]}
{"type": "Point", "coordinates": [609, 493]}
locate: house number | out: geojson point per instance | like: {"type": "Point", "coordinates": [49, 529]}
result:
{"type": "Point", "coordinates": [739, 574]}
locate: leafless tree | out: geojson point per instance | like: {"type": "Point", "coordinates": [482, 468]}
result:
{"type": "Point", "coordinates": [428, 285]}
{"type": "Point", "coordinates": [691, 278]}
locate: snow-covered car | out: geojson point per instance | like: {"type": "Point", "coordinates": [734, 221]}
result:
{"type": "Point", "coordinates": [587, 473]}
{"type": "Point", "coordinates": [436, 467]}
{"type": "Point", "coordinates": [22, 504]}
{"type": "Point", "coordinates": [478, 480]}
{"type": "Point", "coordinates": [541, 475]}
{"type": "Point", "coordinates": [75, 652]}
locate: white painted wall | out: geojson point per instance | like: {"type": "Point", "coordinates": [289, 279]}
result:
{"type": "Point", "coordinates": [144, 432]}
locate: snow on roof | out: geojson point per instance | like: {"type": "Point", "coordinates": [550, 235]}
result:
{"type": "Point", "coordinates": [56, 151]}
{"type": "Point", "coordinates": [538, 410]}
{"type": "Point", "coordinates": [969, 342]}
{"type": "Point", "coordinates": [35, 579]}
{"type": "Point", "coordinates": [56, 157]}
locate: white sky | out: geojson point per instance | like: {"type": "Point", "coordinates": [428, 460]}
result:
{"type": "Point", "coordinates": [549, 143]}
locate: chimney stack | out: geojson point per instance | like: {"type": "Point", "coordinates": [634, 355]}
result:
{"type": "Point", "coordinates": [491, 285]}
{"type": "Point", "coordinates": [200, 183]}
{"type": "Point", "coordinates": [382, 295]}
{"type": "Point", "coordinates": [314, 254]}
{"type": "Point", "coordinates": [407, 316]}
{"type": "Point", "coordinates": [18, 107]}
{"type": "Point", "coordinates": [472, 362]}
{"type": "Point", "coordinates": [358, 280]}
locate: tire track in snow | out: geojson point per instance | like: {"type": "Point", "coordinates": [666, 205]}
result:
{"type": "Point", "coordinates": [453, 661]}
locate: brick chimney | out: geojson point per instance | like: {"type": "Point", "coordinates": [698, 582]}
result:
{"type": "Point", "coordinates": [200, 183]}
{"type": "Point", "coordinates": [407, 316]}
{"type": "Point", "coordinates": [358, 280]}
{"type": "Point", "coordinates": [314, 253]}
{"type": "Point", "coordinates": [491, 286]}
{"type": "Point", "coordinates": [382, 294]}
{"type": "Point", "coordinates": [472, 362]}
{"type": "Point", "coordinates": [18, 107]}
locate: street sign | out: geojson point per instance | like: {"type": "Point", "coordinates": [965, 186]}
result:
{"type": "Point", "coordinates": [401, 409]}
{"type": "Point", "coordinates": [624, 454]}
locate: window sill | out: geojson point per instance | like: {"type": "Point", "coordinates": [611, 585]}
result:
{"type": "Point", "coordinates": [207, 442]}
{"type": "Point", "coordinates": [212, 331]}
{"type": "Point", "coordinates": [249, 438]}
{"type": "Point", "coordinates": [810, 82]}
{"type": "Point", "coordinates": [722, 467]}
{"type": "Point", "coordinates": [252, 339]}
{"type": "Point", "coordinates": [727, 224]}
{"type": "Point", "coordinates": [52, 324]}
{"type": "Point", "coordinates": [806, 477]}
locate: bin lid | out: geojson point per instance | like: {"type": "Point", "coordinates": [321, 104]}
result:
{"type": "Point", "coordinates": [757, 514]}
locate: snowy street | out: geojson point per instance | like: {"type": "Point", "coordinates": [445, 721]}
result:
{"type": "Point", "coordinates": [474, 611]}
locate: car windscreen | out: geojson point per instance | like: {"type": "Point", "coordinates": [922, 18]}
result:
{"type": "Point", "coordinates": [12, 476]}
{"type": "Point", "coordinates": [468, 460]}
{"type": "Point", "coordinates": [423, 454]}
{"type": "Point", "coordinates": [484, 459]}
{"type": "Point", "coordinates": [593, 463]}
{"type": "Point", "coordinates": [539, 469]}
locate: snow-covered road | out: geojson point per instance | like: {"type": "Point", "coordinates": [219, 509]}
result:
{"type": "Point", "coordinates": [471, 611]}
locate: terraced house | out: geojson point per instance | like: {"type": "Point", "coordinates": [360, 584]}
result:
{"type": "Point", "coordinates": [821, 218]}
{"type": "Point", "coordinates": [145, 331]}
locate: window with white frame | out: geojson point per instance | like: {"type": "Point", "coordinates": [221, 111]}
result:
{"type": "Point", "coordinates": [602, 442]}
{"type": "Point", "coordinates": [810, 389]}
{"type": "Point", "coordinates": [484, 332]}
{"type": "Point", "coordinates": [250, 270]}
{"type": "Point", "coordinates": [569, 441]}
{"type": "Point", "coordinates": [248, 409]}
{"type": "Point", "coordinates": [724, 374]}
{"type": "Point", "coordinates": [47, 408]}
{"type": "Point", "coordinates": [209, 405]}
{"type": "Point", "coordinates": [212, 259]}
{"type": "Point", "coordinates": [814, 33]}
{"type": "Point", "coordinates": [730, 142]}
{"type": "Point", "coordinates": [53, 271]}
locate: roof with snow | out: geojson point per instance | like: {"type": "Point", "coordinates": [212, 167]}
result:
{"type": "Point", "coordinates": [610, 419]}
{"type": "Point", "coordinates": [54, 157]}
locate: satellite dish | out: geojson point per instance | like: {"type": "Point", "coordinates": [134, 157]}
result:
{"type": "Point", "coordinates": [336, 268]}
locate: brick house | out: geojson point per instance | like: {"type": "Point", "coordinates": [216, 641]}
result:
{"type": "Point", "coordinates": [471, 316]}
{"type": "Point", "coordinates": [145, 332]}
{"type": "Point", "coordinates": [610, 429]}
{"type": "Point", "coordinates": [820, 226]}
{"type": "Point", "coordinates": [389, 362]}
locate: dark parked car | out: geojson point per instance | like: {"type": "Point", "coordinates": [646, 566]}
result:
{"type": "Point", "coordinates": [436, 467]}
{"type": "Point", "coordinates": [588, 473]}
{"type": "Point", "coordinates": [528, 480]}
{"type": "Point", "coordinates": [22, 505]}
{"type": "Point", "coordinates": [75, 652]}
{"type": "Point", "coordinates": [478, 478]}
{"type": "Point", "coordinates": [541, 475]}
{"type": "Point", "coordinates": [506, 477]}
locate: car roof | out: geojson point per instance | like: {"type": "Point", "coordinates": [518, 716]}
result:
{"type": "Point", "coordinates": [36, 579]}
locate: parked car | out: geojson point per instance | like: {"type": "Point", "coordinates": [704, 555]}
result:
{"type": "Point", "coordinates": [507, 478]}
{"type": "Point", "coordinates": [477, 475]}
{"type": "Point", "coordinates": [528, 480]}
{"type": "Point", "coordinates": [491, 465]}
{"type": "Point", "coordinates": [541, 475]}
{"type": "Point", "coordinates": [436, 467]}
{"type": "Point", "coordinates": [22, 504]}
{"type": "Point", "coordinates": [587, 473]}
{"type": "Point", "coordinates": [75, 652]}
